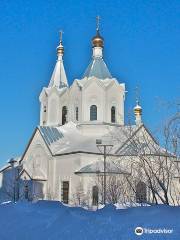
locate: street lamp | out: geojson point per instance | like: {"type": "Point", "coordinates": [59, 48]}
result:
{"type": "Point", "coordinates": [103, 148]}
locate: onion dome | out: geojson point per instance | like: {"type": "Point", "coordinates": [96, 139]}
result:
{"type": "Point", "coordinates": [98, 41]}
{"type": "Point", "coordinates": [137, 109]}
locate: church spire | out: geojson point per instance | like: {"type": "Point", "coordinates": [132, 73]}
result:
{"type": "Point", "coordinates": [59, 78]}
{"type": "Point", "coordinates": [97, 67]}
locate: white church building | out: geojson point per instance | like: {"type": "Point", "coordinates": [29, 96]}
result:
{"type": "Point", "coordinates": [81, 136]}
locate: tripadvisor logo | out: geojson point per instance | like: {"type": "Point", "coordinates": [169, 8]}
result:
{"type": "Point", "coordinates": [138, 231]}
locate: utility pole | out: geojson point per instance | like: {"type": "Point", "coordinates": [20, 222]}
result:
{"type": "Point", "coordinates": [104, 174]}
{"type": "Point", "coordinates": [103, 149]}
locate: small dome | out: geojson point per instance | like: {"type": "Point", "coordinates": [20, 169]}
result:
{"type": "Point", "coordinates": [98, 41]}
{"type": "Point", "coordinates": [138, 109]}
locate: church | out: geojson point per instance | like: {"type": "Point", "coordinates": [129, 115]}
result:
{"type": "Point", "coordinates": [82, 146]}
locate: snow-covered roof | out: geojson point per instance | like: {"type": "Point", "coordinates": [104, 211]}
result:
{"type": "Point", "coordinates": [37, 175]}
{"type": "Point", "coordinates": [106, 82]}
{"type": "Point", "coordinates": [97, 68]}
{"type": "Point", "coordinates": [69, 138]}
{"type": "Point", "coordinates": [142, 143]}
{"type": "Point", "coordinates": [59, 78]}
{"type": "Point", "coordinates": [98, 168]}
{"type": "Point", "coordinates": [5, 167]}
{"type": "Point", "coordinates": [144, 149]}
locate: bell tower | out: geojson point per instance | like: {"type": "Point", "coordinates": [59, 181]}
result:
{"type": "Point", "coordinates": [50, 97]}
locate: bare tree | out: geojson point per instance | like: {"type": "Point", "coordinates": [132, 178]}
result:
{"type": "Point", "coordinates": [79, 198]}
{"type": "Point", "coordinates": [151, 164]}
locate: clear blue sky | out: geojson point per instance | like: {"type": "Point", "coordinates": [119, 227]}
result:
{"type": "Point", "coordinates": [142, 47]}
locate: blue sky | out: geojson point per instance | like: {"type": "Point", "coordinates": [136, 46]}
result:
{"type": "Point", "coordinates": [142, 47]}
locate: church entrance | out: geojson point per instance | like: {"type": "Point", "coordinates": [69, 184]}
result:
{"type": "Point", "coordinates": [141, 194]}
{"type": "Point", "coordinates": [95, 195]}
{"type": "Point", "coordinates": [65, 192]}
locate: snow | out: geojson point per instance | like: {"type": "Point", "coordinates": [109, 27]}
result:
{"type": "Point", "coordinates": [98, 167]}
{"type": "Point", "coordinates": [51, 220]}
{"type": "Point", "coordinates": [73, 139]}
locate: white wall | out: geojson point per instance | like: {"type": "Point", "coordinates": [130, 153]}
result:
{"type": "Point", "coordinates": [93, 92]}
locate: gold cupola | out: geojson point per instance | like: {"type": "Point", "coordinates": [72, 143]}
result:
{"type": "Point", "coordinates": [138, 113]}
{"type": "Point", "coordinates": [137, 109]}
{"type": "Point", "coordinates": [97, 40]}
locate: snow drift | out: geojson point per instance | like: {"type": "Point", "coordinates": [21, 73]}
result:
{"type": "Point", "coordinates": [51, 220]}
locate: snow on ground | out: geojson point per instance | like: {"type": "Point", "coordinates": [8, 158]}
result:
{"type": "Point", "coordinates": [46, 220]}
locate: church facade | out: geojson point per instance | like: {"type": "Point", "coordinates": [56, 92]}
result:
{"type": "Point", "coordinates": [82, 140]}
{"type": "Point", "coordinates": [72, 119]}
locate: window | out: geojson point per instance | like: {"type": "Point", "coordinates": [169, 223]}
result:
{"type": "Point", "coordinates": [93, 113]}
{"type": "Point", "coordinates": [141, 195]}
{"type": "Point", "coordinates": [64, 115]}
{"type": "Point", "coordinates": [95, 195]}
{"type": "Point", "coordinates": [113, 114]}
{"type": "Point", "coordinates": [65, 192]}
{"type": "Point", "coordinates": [44, 108]}
{"type": "Point", "coordinates": [77, 114]}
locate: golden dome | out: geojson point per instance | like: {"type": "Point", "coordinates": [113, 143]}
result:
{"type": "Point", "coordinates": [138, 109]}
{"type": "Point", "coordinates": [98, 41]}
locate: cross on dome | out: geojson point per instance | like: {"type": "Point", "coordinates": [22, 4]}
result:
{"type": "Point", "coordinates": [137, 108]}
{"type": "Point", "coordinates": [60, 48]}
{"type": "Point", "coordinates": [97, 41]}
{"type": "Point", "coordinates": [97, 67]}
{"type": "Point", "coordinates": [59, 78]}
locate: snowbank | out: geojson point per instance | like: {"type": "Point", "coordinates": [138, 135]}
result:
{"type": "Point", "coordinates": [51, 220]}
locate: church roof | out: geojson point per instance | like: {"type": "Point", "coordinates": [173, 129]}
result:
{"type": "Point", "coordinates": [68, 138]}
{"type": "Point", "coordinates": [106, 82]}
{"type": "Point", "coordinates": [97, 68]}
{"type": "Point", "coordinates": [98, 168]}
{"type": "Point", "coordinates": [59, 78]}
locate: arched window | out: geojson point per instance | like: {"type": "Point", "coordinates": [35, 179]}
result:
{"type": "Point", "coordinates": [95, 195]}
{"type": "Point", "coordinates": [113, 114]}
{"type": "Point", "coordinates": [77, 114]}
{"type": "Point", "coordinates": [93, 113]}
{"type": "Point", "coordinates": [141, 195]}
{"type": "Point", "coordinates": [64, 115]}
